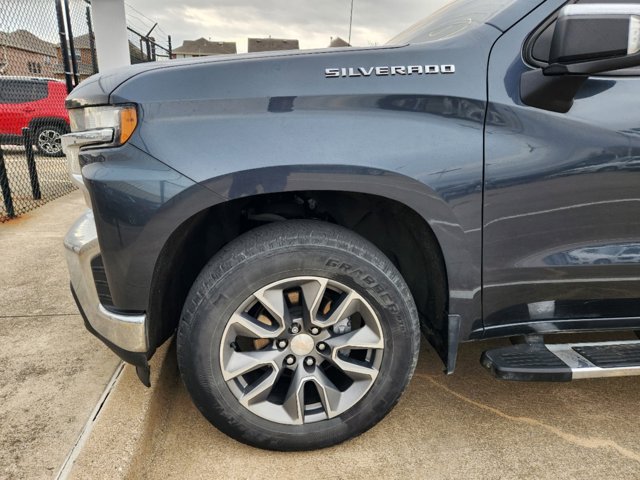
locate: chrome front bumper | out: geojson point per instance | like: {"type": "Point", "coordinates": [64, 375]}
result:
{"type": "Point", "coordinates": [126, 332]}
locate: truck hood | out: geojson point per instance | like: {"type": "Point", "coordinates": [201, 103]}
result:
{"type": "Point", "coordinates": [97, 89]}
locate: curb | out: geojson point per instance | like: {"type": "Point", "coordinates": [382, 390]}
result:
{"type": "Point", "coordinates": [117, 438]}
{"type": "Point", "coordinates": [85, 434]}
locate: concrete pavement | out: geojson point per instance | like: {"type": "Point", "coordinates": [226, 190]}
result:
{"type": "Point", "coordinates": [468, 425]}
{"type": "Point", "coordinates": [52, 372]}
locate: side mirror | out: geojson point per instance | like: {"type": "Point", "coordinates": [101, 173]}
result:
{"type": "Point", "coordinates": [588, 39]}
{"type": "Point", "coordinates": [595, 38]}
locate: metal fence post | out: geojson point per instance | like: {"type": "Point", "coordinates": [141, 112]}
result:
{"type": "Point", "coordinates": [31, 163]}
{"type": "Point", "coordinates": [66, 66]}
{"type": "Point", "coordinates": [148, 45]}
{"type": "Point", "coordinates": [6, 188]}
{"type": "Point", "coordinates": [72, 47]}
{"type": "Point", "coordinates": [92, 42]}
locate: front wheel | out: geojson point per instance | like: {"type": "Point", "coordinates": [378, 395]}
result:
{"type": "Point", "coordinates": [48, 140]}
{"type": "Point", "coordinates": [297, 335]}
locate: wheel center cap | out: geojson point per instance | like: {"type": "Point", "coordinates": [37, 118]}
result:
{"type": "Point", "coordinates": [302, 344]}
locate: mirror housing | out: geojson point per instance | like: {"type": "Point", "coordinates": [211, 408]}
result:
{"type": "Point", "coordinates": [595, 38]}
{"type": "Point", "coordinates": [587, 40]}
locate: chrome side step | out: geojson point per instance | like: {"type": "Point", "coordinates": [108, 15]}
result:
{"type": "Point", "coordinates": [564, 362]}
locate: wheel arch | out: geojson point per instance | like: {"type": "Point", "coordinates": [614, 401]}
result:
{"type": "Point", "coordinates": [384, 201]}
{"type": "Point", "coordinates": [39, 122]}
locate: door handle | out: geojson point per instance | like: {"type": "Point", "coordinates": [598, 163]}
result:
{"type": "Point", "coordinates": [29, 110]}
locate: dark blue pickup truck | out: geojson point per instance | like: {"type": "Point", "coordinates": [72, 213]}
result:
{"type": "Point", "coordinates": [299, 218]}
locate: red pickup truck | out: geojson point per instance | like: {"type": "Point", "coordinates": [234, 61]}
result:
{"type": "Point", "coordinates": [37, 103]}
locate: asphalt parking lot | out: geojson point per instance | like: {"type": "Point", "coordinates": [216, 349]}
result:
{"type": "Point", "coordinates": [468, 425]}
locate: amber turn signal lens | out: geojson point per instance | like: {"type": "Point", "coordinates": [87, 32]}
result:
{"type": "Point", "coordinates": [128, 122]}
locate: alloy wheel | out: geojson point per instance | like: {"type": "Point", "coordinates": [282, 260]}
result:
{"type": "Point", "coordinates": [49, 141]}
{"type": "Point", "coordinates": [301, 350]}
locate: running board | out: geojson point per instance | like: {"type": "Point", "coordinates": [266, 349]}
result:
{"type": "Point", "coordinates": [563, 362]}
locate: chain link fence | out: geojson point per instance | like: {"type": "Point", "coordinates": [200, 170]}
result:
{"type": "Point", "coordinates": [46, 48]}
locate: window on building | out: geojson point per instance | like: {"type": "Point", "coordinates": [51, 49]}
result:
{"type": "Point", "coordinates": [34, 67]}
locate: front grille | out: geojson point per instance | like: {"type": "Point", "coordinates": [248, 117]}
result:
{"type": "Point", "coordinates": [100, 280]}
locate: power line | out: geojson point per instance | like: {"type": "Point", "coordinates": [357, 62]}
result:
{"type": "Point", "coordinates": [140, 13]}
{"type": "Point", "coordinates": [144, 26]}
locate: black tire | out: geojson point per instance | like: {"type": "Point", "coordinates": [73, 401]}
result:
{"type": "Point", "coordinates": [47, 140]}
{"type": "Point", "coordinates": [271, 253]}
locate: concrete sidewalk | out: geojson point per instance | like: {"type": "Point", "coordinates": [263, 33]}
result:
{"type": "Point", "coordinates": [52, 372]}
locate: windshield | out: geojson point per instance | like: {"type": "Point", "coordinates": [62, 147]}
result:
{"type": "Point", "coordinates": [451, 20]}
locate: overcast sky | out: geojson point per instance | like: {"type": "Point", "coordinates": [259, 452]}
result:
{"type": "Point", "coordinates": [312, 22]}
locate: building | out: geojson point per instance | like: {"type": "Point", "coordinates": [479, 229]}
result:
{"type": "Point", "coordinates": [338, 42]}
{"type": "Point", "coordinates": [203, 47]}
{"type": "Point", "coordinates": [270, 44]}
{"type": "Point", "coordinates": [24, 54]}
{"type": "Point", "coordinates": [87, 66]}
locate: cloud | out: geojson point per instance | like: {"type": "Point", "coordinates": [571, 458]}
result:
{"type": "Point", "coordinates": [311, 22]}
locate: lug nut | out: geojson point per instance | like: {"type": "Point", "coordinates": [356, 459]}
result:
{"type": "Point", "coordinates": [290, 360]}
{"type": "Point", "coordinates": [315, 330]}
{"type": "Point", "coordinates": [282, 344]}
{"type": "Point", "coordinates": [309, 361]}
{"type": "Point", "coordinates": [322, 346]}
{"type": "Point", "coordinates": [295, 328]}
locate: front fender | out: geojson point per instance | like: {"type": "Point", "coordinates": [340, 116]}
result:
{"type": "Point", "coordinates": [139, 202]}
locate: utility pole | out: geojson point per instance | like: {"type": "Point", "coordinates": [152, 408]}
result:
{"type": "Point", "coordinates": [350, 21]}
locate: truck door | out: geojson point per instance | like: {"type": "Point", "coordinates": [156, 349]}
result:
{"type": "Point", "coordinates": [562, 195]}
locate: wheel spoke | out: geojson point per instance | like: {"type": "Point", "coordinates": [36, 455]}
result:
{"type": "Point", "coordinates": [312, 293]}
{"type": "Point", "coordinates": [348, 305]}
{"type": "Point", "coordinates": [239, 363]}
{"type": "Point", "coordinates": [246, 325]}
{"type": "Point", "coordinates": [364, 337]}
{"type": "Point", "coordinates": [273, 300]}
{"type": "Point", "coordinates": [294, 400]}
{"type": "Point", "coordinates": [354, 369]}
{"type": "Point", "coordinates": [260, 390]}
{"type": "Point", "coordinates": [330, 396]}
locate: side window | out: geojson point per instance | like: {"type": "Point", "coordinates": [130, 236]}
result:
{"type": "Point", "coordinates": [39, 90]}
{"type": "Point", "coordinates": [19, 91]}
{"type": "Point", "coordinates": [540, 43]}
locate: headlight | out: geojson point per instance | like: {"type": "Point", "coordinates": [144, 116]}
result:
{"type": "Point", "coordinates": [122, 119]}
{"type": "Point", "coordinates": [101, 127]}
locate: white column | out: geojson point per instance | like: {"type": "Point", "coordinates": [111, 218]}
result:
{"type": "Point", "coordinates": [110, 29]}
